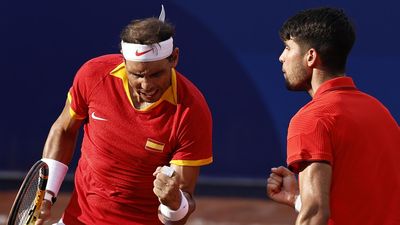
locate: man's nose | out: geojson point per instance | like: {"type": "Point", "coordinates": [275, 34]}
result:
{"type": "Point", "coordinates": [146, 84]}
{"type": "Point", "coordinates": [281, 58]}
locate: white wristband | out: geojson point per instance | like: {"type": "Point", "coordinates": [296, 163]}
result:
{"type": "Point", "coordinates": [297, 203]}
{"type": "Point", "coordinates": [50, 197]}
{"type": "Point", "coordinates": [57, 172]}
{"type": "Point", "coordinates": [175, 215]}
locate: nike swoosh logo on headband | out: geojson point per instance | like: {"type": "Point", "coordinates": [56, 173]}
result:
{"type": "Point", "coordinates": [142, 53]}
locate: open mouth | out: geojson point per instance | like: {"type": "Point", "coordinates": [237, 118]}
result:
{"type": "Point", "coordinates": [148, 95]}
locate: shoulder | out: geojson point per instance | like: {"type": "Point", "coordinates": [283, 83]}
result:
{"type": "Point", "coordinates": [188, 93]}
{"type": "Point", "coordinates": [103, 62]}
{"type": "Point", "coordinates": [97, 68]}
{"type": "Point", "coordinates": [309, 118]}
{"type": "Point", "coordinates": [189, 96]}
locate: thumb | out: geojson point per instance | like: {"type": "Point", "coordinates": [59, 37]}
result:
{"type": "Point", "coordinates": [157, 171]}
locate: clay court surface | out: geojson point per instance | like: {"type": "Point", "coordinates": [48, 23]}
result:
{"type": "Point", "coordinates": [210, 210]}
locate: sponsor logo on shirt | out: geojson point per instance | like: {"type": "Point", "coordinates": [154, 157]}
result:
{"type": "Point", "coordinates": [153, 145]}
{"type": "Point", "coordinates": [97, 118]}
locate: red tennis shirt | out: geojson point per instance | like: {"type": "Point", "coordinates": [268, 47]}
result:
{"type": "Point", "coordinates": [122, 146]}
{"type": "Point", "coordinates": [359, 138]}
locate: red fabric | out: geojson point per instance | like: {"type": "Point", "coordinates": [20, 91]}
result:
{"type": "Point", "coordinates": [114, 181]}
{"type": "Point", "coordinates": [95, 202]}
{"type": "Point", "coordinates": [357, 135]}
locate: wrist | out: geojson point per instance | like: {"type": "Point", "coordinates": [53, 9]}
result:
{"type": "Point", "coordinates": [176, 215]}
{"type": "Point", "coordinates": [50, 196]}
{"type": "Point", "coordinates": [57, 172]}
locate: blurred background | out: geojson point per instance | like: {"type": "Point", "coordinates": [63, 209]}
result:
{"type": "Point", "coordinates": [229, 49]}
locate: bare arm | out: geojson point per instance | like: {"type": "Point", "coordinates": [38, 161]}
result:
{"type": "Point", "coordinates": [60, 146]}
{"type": "Point", "coordinates": [185, 179]}
{"type": "Point", "coordinates": [60, 143]}
{"type": "Point", "coordinates": [315, 184]}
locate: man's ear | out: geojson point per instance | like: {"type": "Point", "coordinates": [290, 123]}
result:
{"type": "Point", "coordinates": [311, 57]}
{"type": "Point", "coordinates": [174, 57]}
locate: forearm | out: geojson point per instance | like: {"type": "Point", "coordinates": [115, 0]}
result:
{"type": "Point", "coordinates": [313, 215]}
{"type": "Point", "coordinates": [315, 183]}
{"type": "Point", "coordinates": [60, 144]}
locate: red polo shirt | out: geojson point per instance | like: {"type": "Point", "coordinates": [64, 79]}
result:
{"type": "Point", "coordinates": [359, 138]}
{"type": "Point", "coordinates": [122, 146]}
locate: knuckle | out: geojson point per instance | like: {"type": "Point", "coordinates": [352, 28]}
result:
{"type": "Point", "coordinates": [155, 191]}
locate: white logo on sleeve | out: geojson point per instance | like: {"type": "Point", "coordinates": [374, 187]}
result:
{"type": "Point", "coordinates": [97, 118]}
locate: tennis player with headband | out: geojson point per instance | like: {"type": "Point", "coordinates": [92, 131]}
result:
{"type": "Point", "coordinates": [147, 131]}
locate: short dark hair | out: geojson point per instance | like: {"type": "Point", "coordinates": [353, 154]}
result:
{"type": "Point", "coordinates": [328, 30]}
{"type": "Point", "coordinates": [147, 31]}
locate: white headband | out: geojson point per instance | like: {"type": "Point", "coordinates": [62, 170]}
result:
{"type": "Point", "coordinates": [147, 53]}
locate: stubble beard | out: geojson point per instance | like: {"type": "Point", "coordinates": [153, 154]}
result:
{"type": "Point", "coordinates": [301, 81]}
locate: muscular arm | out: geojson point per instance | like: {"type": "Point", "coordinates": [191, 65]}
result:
{"type": "Point", "coordinates": [60, 143]}
{"type": "Point", "coordinates": [315, 184]}
{"type": "Point", "coordinates": [186, 178]}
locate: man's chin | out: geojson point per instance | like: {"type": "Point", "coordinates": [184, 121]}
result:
{"type": "Point", "coordinates": [292, 87]}
{"type": "Point", "coordinates": [150, 100]}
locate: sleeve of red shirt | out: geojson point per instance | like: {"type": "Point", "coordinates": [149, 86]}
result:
{"type": "Point", "coordinates": [308, 140]}
{"type": "Point", "coordinates": [79, 92]}
{"type": "Point", "coordinates": [194, 137]}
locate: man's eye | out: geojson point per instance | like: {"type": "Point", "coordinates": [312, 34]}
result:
{"type": "Point", "coordinates": [156, 75]}
{"type": "Point", "coordinates": [136, 75]}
